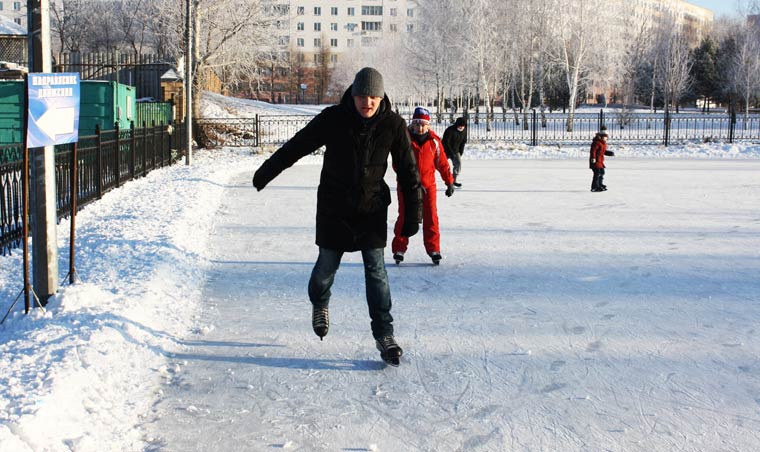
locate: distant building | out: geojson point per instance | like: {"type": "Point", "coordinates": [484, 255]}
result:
{"type": "Point", "coordinates": [695, 21]}
{"type": "Point", "coordinates": [13, 42]}
{"type": "Point", "coordinates": [313, 28]}
{"type": "Point", "coordinates": [14, 11]}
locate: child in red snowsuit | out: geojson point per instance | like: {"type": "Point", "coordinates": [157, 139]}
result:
{"type": "Point", "coordinates": [596, 160]}
{"type": "Point", "coordinates": [430, 156]}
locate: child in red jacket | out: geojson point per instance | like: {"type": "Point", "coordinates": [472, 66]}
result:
{"type": "Point", "coordinates": [430, 156]}
{"type": "Point", "coordinates": [596, 159]}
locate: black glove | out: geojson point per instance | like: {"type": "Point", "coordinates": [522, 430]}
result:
{"type": "Point", "coordinates": [409, 228]}
{"type": "Point", "coordinates": [257, 182]}
{"type": "Point", "coordinates": [449, 190]}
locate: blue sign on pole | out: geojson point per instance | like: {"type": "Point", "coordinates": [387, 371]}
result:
{"type": "Point", "coordinates": [53, 104]}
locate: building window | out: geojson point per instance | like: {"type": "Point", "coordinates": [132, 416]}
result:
{"type": "Point", "coordinates": [300, 11]}
{"type": "Point", "coordinates": [299, 42]}
{"type": "Point", "coordinates": [333, 42]}
{"type": "Point", "coordinates": [351, 27]}
{"type": "Point", "coordinates": [410, 28]}
{"type": "Point", "coordinates": [1, 6]}
{"type": "Point", "coordinates": [333, 58]}
{"type": "Point", "coordinates": [17, 6]}
{"type": "Point", "coordinates": [284, 40]}
{"type": "Point", "coordinates": [317, 26]}
{"type": "Point", "coordinates": [300, 27]}
{"type": "Point", "coordinates": [317, 58]}
{"type": "Point", "coordinates": [317, 11]}
{"type": "Point", "coordinates": [350, 43]}
{"type": "Point", "coordinates": [317, 42]}
{"type": "Point", "coordinates": [334, 26]}
{"type": "Point", "coordinates": [351, 11]}
{"type": "Point", "coordinates": [410, 12]}
{"type": "Point", "coordinates": [372, 26]}
{"type": "Point", "coordinates": [372, 10]}
{"type": "Point", "coordinates": [334, 11]}
{"type": "Point", "coordinates": [394, 12]}
{"type": "Point", "coordinates": [393, 28]}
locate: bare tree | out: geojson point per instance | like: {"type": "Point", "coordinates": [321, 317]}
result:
{"type": "Point", "coordinates": [578, 28]}
{"type": "Point", "coordinates": [70, 24]}
{"type": "Point", "coordinates": [745, 69]}
{"type": "Point", "coordinates": [674, 70]}
{"type": "Point", "coordinates": [233, 38]}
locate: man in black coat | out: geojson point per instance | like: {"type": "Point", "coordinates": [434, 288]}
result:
{"type": "Point", "coordinates": [352, 197]}
{"type": "Point", "coordinates": [454, 139]}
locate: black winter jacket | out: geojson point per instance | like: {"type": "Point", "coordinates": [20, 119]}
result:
{"type": "Point", "coordinates": [454, 141]}
{"type": "Point", "coordinates": [352, 198]}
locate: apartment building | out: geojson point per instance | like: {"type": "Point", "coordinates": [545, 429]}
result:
{"type": "Point", "coordinates": [695, 21]}
{"type": "Point", "coordinates": [338, 28]}
{"type": "Point", "coordinates": [14, 10]}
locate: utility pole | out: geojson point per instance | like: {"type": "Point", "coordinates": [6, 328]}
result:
{"type": "Point", "coordinates": [189, 80]}
{"type": "Point", "coordinates": [42, 189]}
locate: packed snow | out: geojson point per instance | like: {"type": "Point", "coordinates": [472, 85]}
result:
{"type": "Point", "coordinates": [559, 319]}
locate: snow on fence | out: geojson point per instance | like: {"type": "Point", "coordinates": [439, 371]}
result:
{"type": "Point", "coordinates": [104, 161]}
{"type": "Point", "coordinates": [533, 128]}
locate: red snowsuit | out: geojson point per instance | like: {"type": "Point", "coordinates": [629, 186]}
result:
{"type": "Point", "coordinates": [430, 157]}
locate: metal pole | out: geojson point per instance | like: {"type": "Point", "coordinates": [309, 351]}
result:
{"type": "Point", "coordinates": [72, 233]}
{"type": "Point", "coordinates": [42, 187]}
{"type": "Point", "coordinates": [188, 81]}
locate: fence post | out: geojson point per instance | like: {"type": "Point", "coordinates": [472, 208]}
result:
{"type": "Point", "coordinates": [601, 119]}
{"type": "Point", "coordinates": [99, 160]}
{"type": "Point", "coordinates": [732, 125]}
{"type": "Point", "coordinates": [144, 149]}
{"type": "Point", "coordinates": [534, 126]}
{"type": "Point", "coordinates": [153, 139]}
{"type": "Point", "coordinates": [132, 149]}
{"type": "Point", "coordinates": [667, 126]}
{"type": "Point", "coordinates": [256, 131]}
{"type": "Point", "coordinates": [118, 154]}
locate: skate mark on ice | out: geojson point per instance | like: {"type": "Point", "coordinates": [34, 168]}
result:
{"type": "Point", "coordinates": [745, 369]}
{"type": "Point", "coordinates": [594, 346]}
{"type": "Point", "coordinates": [608, 316]}
{"type": "Point", "coordinates": [552, 387]}
{"type": "Point", "coordinates": [557, 365]}
{"type": "Point", "coordinates": [601, 304]}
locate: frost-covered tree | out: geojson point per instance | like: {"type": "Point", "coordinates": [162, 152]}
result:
{"type": "Point", "coordinates": [580, 30]}
{"type": "Point", "coordinates": [233, 38]}
{"type": "Point", "coordinates": [745, 69]}
{"type": "Point", "coordinates": [70, 24]}
{"type": "Point", "coordinates": [674, 65]}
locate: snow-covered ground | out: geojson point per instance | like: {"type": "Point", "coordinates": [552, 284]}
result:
{"type": "Point", "coordinates": [559, 319]}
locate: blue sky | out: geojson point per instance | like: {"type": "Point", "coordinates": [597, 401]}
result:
{"type": "Point", "coordinates": [719, 7]}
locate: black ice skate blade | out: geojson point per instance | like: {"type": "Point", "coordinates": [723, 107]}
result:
{"type": "Point", "coordinates": [392, 361]}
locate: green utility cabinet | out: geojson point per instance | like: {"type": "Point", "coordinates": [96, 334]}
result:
{"type": "Point", "coordinates": [102, 103]}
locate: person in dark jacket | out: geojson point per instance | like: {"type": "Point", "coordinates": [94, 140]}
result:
{"type": "Point", "coordinates": [352, 197]}
{"type": "Point", "coordinates": [596, 160]}
{"type": "Point", "coordinates": [454, 139]}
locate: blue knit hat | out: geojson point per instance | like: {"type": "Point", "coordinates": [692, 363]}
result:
{"type": "Point", "coordinates": [421, 114]}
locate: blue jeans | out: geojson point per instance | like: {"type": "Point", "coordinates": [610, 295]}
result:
{"type": "Point", "coordinates": [375, 280]}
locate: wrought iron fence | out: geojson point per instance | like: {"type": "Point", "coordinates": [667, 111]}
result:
{"type": "Point", "coordinates": [532, 128]}
{"type": "Point", "coordinates": [104, 161]}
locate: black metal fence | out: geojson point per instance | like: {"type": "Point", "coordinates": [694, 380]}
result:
{"type": "Point", "coordinates": [533, 128]}
{"type": "Point", "coordinates": [104, 161]}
